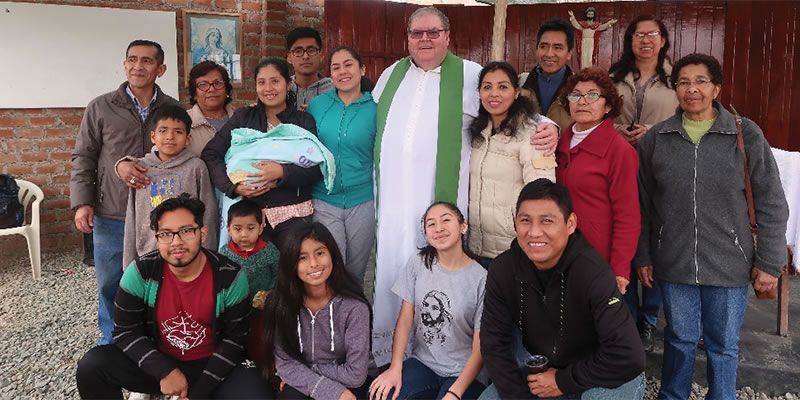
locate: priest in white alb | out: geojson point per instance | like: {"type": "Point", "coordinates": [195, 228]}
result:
{"type": "Point", "coordinates": [426, 102]}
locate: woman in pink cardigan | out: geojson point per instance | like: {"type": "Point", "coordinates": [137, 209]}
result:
{"type": "Point", "coordinates": [599, 168]}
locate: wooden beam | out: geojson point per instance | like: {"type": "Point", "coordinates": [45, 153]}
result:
{"type": "Point", "coordinates": [499, 30]}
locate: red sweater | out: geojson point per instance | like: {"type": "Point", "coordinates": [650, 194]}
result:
{"type": "Point", "coordinates": [600, 173]}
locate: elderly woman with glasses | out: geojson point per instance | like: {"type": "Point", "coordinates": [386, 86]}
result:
{"type": "Point", "coordinates": [695, 228]}
{"type": "Point", "coordinates": [210, 96]}
{"type": "Point", "coordinates": [599, 168]}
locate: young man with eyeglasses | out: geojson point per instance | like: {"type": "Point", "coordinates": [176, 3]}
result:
{"type": "Point", "coordinates": [426, 102]}
{"type": "Point", "coordinates": [114, 124]}
{"type": "Point", "coordinates": [305, 55]}
{"type": "Point", "coordinates": [180, 322]}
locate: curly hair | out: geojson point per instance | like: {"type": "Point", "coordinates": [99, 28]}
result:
{"type": "Point", "coordinates": [602, 80]}
{"type": "Point", "coordinates": [627, 63]}
{"type": "Point", "coordinates": [711, 63]}
{"type": "Point", "coordinates": [201, 69]}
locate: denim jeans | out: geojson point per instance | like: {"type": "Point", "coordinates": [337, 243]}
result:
{"type": "Point", "coordinates": [720, 312]}
{"type": "Point", "coordinates": [420, 382]}
{"type": "Point", "coordinates": [651, 300]}
{"type": "Point", "coordinates": [631, 390]}
{"type": "Point", "coordinates": [108, 237]}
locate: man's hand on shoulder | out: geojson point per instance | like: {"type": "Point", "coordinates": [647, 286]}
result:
{"type": "Point", "coordinates": [84, 219]}
{"type": "Point", "coordinates": [545, 139]}
{"type": "Point", "coordinates": [544, 384]}
{"type": "Point", "coordinates": [175, 384]}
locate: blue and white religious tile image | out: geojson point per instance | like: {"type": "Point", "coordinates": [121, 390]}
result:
{"type": "Point", "coordinates": [216, 38]}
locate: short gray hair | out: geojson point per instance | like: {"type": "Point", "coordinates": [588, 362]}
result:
{"type": "Point", "coordinates": [429, 11]}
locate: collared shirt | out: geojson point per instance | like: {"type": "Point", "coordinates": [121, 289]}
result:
{"type": "Point", "coordinates": [304, 95]}
{"type": "Point", "coordinates": [142, 111]}
{"type": "Point", "coordinates": [548, 87]}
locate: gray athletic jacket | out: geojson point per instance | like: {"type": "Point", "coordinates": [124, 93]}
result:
{"type": "Point", "coordinates": [695, 228]}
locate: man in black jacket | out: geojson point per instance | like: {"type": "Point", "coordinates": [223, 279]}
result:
{"type": "Point", "coordinates": [564, 305]}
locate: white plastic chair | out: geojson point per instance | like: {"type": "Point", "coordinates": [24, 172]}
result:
{"type": "Point", "coordinates": [29, 192]}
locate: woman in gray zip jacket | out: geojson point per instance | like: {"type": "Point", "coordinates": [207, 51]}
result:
{"type": "Point", "coordinates": [695, 233]}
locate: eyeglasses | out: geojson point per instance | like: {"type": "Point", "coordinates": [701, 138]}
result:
{"type": "Point", "coordinates": [650, 35]}
{"type": "Point", "coordinates": [590, 97]}
{"type": "Point", "coordinates": [299, 51]}
{"type": "Point", "coordinates": [186, 234]}
{"type": "Point", "coordinates": [685, 84]}
{"type": "Point", "coordinates": [205, 86]}
{"type": "Point", "coordinates": [431, 34]}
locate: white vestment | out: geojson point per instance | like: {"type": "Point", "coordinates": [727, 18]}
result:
{"type": "Point", "coordinates": [406, 182]}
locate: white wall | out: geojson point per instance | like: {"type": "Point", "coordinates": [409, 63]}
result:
{"type": "Point", "coordinates": [56, 56]}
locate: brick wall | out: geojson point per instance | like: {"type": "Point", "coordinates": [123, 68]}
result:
{"type": "Point", "coordinates": [36, 144]}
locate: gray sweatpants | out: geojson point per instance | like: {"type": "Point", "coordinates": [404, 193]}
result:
{"type": "Point", "coordinates": [354, 231]}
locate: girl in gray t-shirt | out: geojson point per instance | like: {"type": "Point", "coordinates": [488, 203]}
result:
{"type": "Point", "coordinates": [442, 300]}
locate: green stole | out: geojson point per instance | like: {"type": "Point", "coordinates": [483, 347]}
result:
{"type": "Point", "coordinates": [448, 146]}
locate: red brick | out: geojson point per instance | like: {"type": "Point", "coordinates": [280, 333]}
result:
{"type": "Point", "coordinates": [62, 155]}
{"type": "Point", "coordinates": [39, 180]}
{"type": "Point", "coordinates": [20, 145]}
{"type": "Point", "coordinates": [60, 132]}
{"type": "Point", "coordinates": [48, 168]}
{"type": "Point", "coordinates": [252, 40]}
{"type": "Point", "coordinates": [12, 122]}
{"type": "Point", "coordinates": [251, 27]}
{"type": "Point", "coordinates": [251, 6]}
{"type": "Point", "coordinates": [30, 133]}
{"type": "Point", "coordinates": [20, 169]}
{"type": "Point", "coordinates": [57, 203]}
{"type": "Point", "coordinates": [6, 133]}
{"type": "Point", "coordinates": [42, 121]}
{"type": "Point", "coordinates": [311, 13]}
{"type": "Point", "coordinates": [8, 157]}
{"type": "Point", "coordinates": [37, 156]}
{"type": "Point", "coordinates": [225, 4]}
{"type": "Point", "coordinates": [69, 143]}
{"type": "Point", "coordinates": [62, 179]}
{"type": "Point", "coordinates": [201, 3]}
{"type": "Point", "coordinates": [71, 119]}
{"type": "Point", "coordinates": [58, 227]}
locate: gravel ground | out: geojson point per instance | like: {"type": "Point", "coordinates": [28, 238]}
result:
{"type": "Point", "coordinates": [47, 325]}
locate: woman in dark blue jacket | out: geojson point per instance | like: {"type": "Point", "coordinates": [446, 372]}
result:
{"type": "Point", "coordinates": [345, 120]}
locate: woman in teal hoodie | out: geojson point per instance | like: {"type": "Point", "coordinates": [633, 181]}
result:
{"type": "Point", "coordinates": [345, 120]}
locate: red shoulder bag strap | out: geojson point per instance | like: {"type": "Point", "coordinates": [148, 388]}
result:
{"type": "Point", "coordinates": [748, 189]}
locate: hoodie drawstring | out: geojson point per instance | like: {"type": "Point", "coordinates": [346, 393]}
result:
{"type": "Point", "coordinates": [299, 335]}
{"type": "Point", "coordinates": [330, 316]}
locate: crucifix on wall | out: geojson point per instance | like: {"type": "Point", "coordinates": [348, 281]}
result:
{"type": "Point", "coordinates": [589, 39]}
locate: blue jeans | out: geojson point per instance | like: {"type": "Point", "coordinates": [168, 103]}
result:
{"type": "Point", "coordinates": [720, 312]}
{"type": "Point", "coordinates": [420, 382]}
{"type": "Point", "coordinates": [651, 300]}
{"type": "Point", "coordinates": [631, 390]}
{"type": "Point", "coordinates": [108, 237]}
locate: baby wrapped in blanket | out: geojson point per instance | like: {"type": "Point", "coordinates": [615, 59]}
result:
{"type": "Point", "coordinates": [285, 144]}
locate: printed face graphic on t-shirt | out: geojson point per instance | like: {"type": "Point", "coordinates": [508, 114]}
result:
{"type": "Point", "coordinates": [436, 317]}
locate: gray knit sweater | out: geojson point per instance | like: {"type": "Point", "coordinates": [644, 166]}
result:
{"type": "Point", "coordinates": [184, 173]}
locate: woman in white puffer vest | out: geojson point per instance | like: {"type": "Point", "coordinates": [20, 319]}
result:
{"type": "Point", "coordinates": [502, 161]}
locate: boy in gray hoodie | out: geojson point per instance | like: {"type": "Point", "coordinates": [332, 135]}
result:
{"type": "Point", "coordinates": [172, 169]}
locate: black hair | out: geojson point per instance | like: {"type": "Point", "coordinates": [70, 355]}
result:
{"type": "Point", "coordinates": [142, 42]}
{"type": "Point", "coordinates": [627, 63]}
{"type": "Point", "coordinates": [545, 189]}
{"type": "Point", "coordinates": [522, 107]}
{"type": "Point", "coordinates": [711, 63]}
{"type": "Point", "coordinates": [286, 301]}
{"type": "Point", "coordinates": [170, 111]}
{"type": "Point", "coordinates": [184, 201]}
{"type": "Point", "coordinates": [366, 84]}
{"type": "Point", "coordinates": [428, 252]}
{"type": "Point", "coordinates": [283, 68]}
{"type": "Point", "coordinates": [202, 68]}
{"type": "Point", "coordinates": [300, 33]}
{"type": "Point", "coordinates": [245, 208]}
{"type": "Point", "coordinates": [557, 25]}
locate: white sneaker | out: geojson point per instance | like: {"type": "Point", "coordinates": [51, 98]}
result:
{"type": "Point", "coordinates": [140, 396]}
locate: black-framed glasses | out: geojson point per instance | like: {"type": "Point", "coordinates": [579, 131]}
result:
{"type": "Point", "coordinates": [650, 35]}
{"type": "Point", "coordinates": [431, 33]}
{"type": "Point", "coordinates": [590, 97]}
{"type": "Point", "coordinates": [205, 86]}
{"type": "Point", "coordinates": [186, 234]}
{"type": "Point", "coordinates": [299, 51]}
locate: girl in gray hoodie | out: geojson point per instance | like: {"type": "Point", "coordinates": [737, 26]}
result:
{"type": "Point", "coordinates": [318, 321]}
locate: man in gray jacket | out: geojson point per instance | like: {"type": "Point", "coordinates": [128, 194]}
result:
{"type": "Point", "coordinates": [114, 125]}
